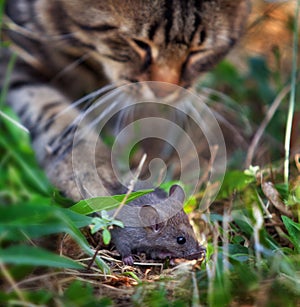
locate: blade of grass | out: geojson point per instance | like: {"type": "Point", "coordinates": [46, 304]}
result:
{"type": "Point", "coordinates": [10, 66]}
{"type": "Point", "coordinates": [289, 122]}
{"type": "Point", "coordinates": [35, 256]}
{"type": "Point", "coordinates": [131, 185]}
{"type": "Point", "coordinates": [262, 127]}
{"type": "Point", "coordinates": [6, 274]}
{"type": "Point", "coordinates": [75, 233]}
{"type": "Point", "coordinates": [2, 2]}
{"type": "Point", "coordinates": [40, 184]}
{"type": "Point", "coordinates": [91, 205]}
{"type": "Point", "coordinates": [27, 218]}
{"type": "Point", "coordinates": [14, 122]}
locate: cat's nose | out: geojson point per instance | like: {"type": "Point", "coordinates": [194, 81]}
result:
{"type": "Point", "coordinates": [162, 89]}
{"type": "Point", "coordinates": [164, 75]}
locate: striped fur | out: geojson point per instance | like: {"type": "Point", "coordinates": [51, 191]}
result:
{"type": "Point", "coordinates": [69, 48]}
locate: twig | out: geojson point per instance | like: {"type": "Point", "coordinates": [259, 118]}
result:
{"type": "Point", "coordinates": [227, 218]}
{"type": "Point", "coordinates": [209, 167]}
{"type": "Point", "coordinates": [274, 197]}
{"type": "Point", "coordinates": [289, 122]}
{"type": "Point", "coordinates": [259, 221]}
{"type": "Point", "coordinates": [211, 266]}
{"type": "Point", "coordinates": [23, 304]}
{"type": "Point", "coordinates": [94, 256]}
{"type": "Point", "coordinates": [130, 189]}
{"type": "Point", "coordinates": [131, 185]}
{"type": "Point", "coordinates": [264, 124]}
{"type": "Point", "coordinates": [13, 284]}
{"type": "Point", "coordinates": [196, 296]}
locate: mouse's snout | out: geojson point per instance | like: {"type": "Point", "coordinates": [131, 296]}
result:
{"type": "Point", "coordinates": [200, 253]}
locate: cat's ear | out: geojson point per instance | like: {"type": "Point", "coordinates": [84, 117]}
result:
{"type": "Point", "coordinates": [150, 219]}
{"type": "Point", "coordinates": [176, 192]}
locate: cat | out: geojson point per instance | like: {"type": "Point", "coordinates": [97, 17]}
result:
{"type": "Point", "coordinates": [67, 49]}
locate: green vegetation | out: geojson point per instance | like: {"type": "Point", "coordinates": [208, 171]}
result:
{"type": "Point", "coordinates": [252, 229]}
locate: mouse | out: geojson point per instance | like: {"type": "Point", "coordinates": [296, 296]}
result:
{"type": "Point", "coordinates": [156, 225]}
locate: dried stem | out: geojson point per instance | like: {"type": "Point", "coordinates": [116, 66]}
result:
{"type": "Point", "coordinates": [12, 282]}
{"type": "Point", "coordinates": [276, 103]}
{"type": "Point", "coordinates": [289, 121]}
{"type": "Point", "coordinates": [131, 185]}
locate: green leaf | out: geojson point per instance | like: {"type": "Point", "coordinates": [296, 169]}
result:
{"type": "Point", "coordinates": [75, 233]}
{"type": "Point", "coordinates": [26, 163]}
{"type": "Point", "coordinates": [293, 198]}
{"type": "Point", "coordinates": [35, 256]}
{"type": "Point", "coordinates": [118, 223]}
{"type": "Point", "coordinates": [133, 275]}
{"type": "Point", "coordinates": [101, 203]}
{"type": "Point", "coordinates": [97, 224]}
{"type": "Point", "coordinates": [79, 292]}
{"type": "Point", "coordinates": [106, 236]}
{"type": "Point", "coordinates": [5, 82]}
{"type": "Point", "coordinates": [36, 220]}
{"type": "Point", "coordinates": [293, 229]}
{"type": "Point", "coordinates": [234, 181]}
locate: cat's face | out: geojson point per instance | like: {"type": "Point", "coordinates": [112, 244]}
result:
{"type": "Point", "coordinates": [145, 40]}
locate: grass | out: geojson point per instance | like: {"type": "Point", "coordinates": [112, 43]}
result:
{"type": "Point", "coordinates": [289, 121]}
{"type": "Point", "coordinates": [252, 230]}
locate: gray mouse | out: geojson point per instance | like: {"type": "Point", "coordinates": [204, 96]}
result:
{"type": "Point", "coordinates": [155, 224]}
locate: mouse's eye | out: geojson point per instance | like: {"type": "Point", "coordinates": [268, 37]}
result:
{"type": "Point", "coordinates": [181, 240]}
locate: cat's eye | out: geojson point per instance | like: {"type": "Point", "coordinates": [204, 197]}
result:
{"type": "Point", "coordinates": [181, 240]}
{"type": "Point", "coordinates": [146, 51]}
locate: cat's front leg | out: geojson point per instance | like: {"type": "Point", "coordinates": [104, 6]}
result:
{"type": "Point", "coordinates": [77, 165]}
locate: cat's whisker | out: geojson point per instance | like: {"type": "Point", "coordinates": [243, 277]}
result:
{"type": "Point", "coordinates": [96, 94]}
{"type": "Point", "coordinates": [129, 115]}
{"type": "Point", "coordinates": [66, 138]}
{"type": "Point", "coordinates": [99, 119]}
{"type": "Point", "coordinates": [102, 99]}
{"type": "Point", "coordinates": [126, 116]}
{"type": "Point", "coordinates": [228, 120]}
{"type": "Point", "coordinates": [121, 102]}
{"type": "Point", "coordinates": [88, 100]}
{"type": "Point", "coordinates": [101, 110]}
{"type": "Point", "coordinates": [226, 101]}
{"type": "Point", "coordinates": [72, 66]}
{"type": "Point", "coordinates": [65, 38]}
{"type": "Point", "coordinates": [12, 26]}
{"type": "Point", "coordinates": [26, 32]}
{"type": "Point", "coordinates": [222, 120]}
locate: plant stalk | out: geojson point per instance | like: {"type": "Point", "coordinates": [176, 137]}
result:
{"type": "Point", "coordinates": [289, 122]}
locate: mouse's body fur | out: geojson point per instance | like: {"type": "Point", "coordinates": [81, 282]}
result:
{"type": "Point", "coordinates": [161, 229]}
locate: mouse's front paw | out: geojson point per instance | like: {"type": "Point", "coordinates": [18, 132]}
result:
{"type": "Point", "coordinates": [128, 260]}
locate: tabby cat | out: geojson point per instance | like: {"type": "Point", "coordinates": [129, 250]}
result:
{"type": "Point", "coordinates": [69, 48]}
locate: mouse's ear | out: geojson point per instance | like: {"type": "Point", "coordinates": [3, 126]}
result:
{"type": "Point", "coordinates": [177, 192]}
{"type": "Point", "coordinates": [149, 218]}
